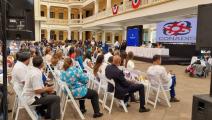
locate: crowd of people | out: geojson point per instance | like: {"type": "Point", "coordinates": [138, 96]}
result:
{"type": "Point", "coordinates": [29, 78]}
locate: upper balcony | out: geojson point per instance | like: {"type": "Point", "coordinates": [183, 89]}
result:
{"type": "Point", "coordinates": [123, 8]}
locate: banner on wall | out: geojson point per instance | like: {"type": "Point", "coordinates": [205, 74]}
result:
{"type": "Point", "coordinates": [133, 38]}
{"type": "Point", "coordinates": [177, 31]}
{"type": "Point", "coordinates": [115, 9]}
{"type": "Point", "coordinates": [136, 3]}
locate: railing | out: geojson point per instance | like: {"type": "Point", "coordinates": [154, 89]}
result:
{"type": "Point", "coordinates": [63, 1]}
{"type": "Point", "coordinates": [57, 21]}
{"type": "Point", "coordinates": [89, 19]}
{"type": "Point", "coordinates": [75, 21]}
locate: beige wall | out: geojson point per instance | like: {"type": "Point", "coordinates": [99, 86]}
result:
{"type": "Point", "coordinates": [117, 2]}
{"type": "Point", "coordinates": [76, 12]}
{"type": "Point", "coordinates": [58, 10]}
{"type": "Point", "coordinates": [102, 5]}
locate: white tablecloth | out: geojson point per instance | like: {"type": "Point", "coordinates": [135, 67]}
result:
{"type": "Point", "coordinates": [147, 52]}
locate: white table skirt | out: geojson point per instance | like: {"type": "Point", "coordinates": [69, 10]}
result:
{"type": "Point", "coordinates": [147, 52]}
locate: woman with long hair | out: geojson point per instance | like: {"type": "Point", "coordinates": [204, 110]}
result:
{"type": "Point", "coordinates": [87, 60]}
{"type": "Point", "coordinates": [79, 57]}
{"type": "Point", "coordinates": [48, 55]}
{"type": "Point", "coordinates": [77, 82]}
{"type": "Point", "coordinates": [98, 65]}
{"type": "Point", "coordinates": [71, 53]}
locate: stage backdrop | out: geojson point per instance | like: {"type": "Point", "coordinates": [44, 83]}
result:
{"type": "Point", "coordinates": [177, 31]}
{"type": "Point", "coordinates": [134, 35]}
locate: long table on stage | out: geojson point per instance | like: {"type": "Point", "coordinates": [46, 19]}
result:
{"type": "Point", "coordinates": [147, 52]}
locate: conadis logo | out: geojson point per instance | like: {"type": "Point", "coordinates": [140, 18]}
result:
{"type": "Point", "coordinates": [177, 28]}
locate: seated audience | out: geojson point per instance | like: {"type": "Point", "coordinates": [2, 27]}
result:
{"type": "Point", "coordinates": [35, 93]}
{"type": "Point", "coordinates": [79, 58]}
{"type": "Point", "coordinates": [48, 55]}
{"type": "Point", "coordinates": [77, 81]}
{"type": "Point", "coordinates": [71, 53]}
{"type": "Point", "coordinates": [123, 88]}
{"type": "Point", "coordinates": [156, 70]}
{"type": "Point", "coordinates": [20, 69]}
{"type": "Point", "coordinates": [87, 60]}
{"type": "Point", "coordinates": [107, 55]}
{"type": "Point", "coordinates": [123, 56]}
{"type": "Point", "coordinates": [130, 64]}
{"type": "Point", "coordinates": [99, 67]}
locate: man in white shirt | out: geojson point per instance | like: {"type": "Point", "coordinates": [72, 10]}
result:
{"type": "Point", "coordinates": [108, 55]}
{"type": "Point", "coordinates": [20, 69]}
{"type": "Point", "coordinates": [157, 72]}
{"type": "Point", "coordinates": [35, 93]}
{"type": "Point", "coordinates": [117, 44]}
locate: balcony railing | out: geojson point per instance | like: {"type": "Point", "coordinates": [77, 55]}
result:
{"type": "Point", "coordinates": [63, 1]}
{"type": "Point", "coordinates": [75, 21]}
{"type": "Point", "coordinates": [57, 21]}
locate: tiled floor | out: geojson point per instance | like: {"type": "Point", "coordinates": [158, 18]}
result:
{"type": "Point", "coordinates": [186, 88]}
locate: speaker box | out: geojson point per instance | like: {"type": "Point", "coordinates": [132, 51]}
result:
{"type": "Point", "coordinates": [20, 23]}
{"type": "Point", "coordinates": [202, 107]}
{"type": "Point", "coordinates": [204, 27]}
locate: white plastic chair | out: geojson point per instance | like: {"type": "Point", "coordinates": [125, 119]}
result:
{"type": "Point", "coordinates": [121, 102]}
{"type": "Point", "coordinates": [71, 99]}
{"type": "Point", "coordinates": [157, 87]}
{"type": "Point", "coordinates": [21, 104]}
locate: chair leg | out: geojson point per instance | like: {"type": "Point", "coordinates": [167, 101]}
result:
{"type": "Point", "coordinates": [64, 109]}
{"type": "Point", "coordinates": [14, 106]}
{"type": "Point", "coordinates": [156, 98]}
{"type": "Point", "coordinates": [147, 94]}
{"type": "Point", "coordinates": [17, 113]}
{"type": "Point", "coordinates": [124, 106]}
{"type": "Point", "coordinates": [111, 104]}
{"type": "Point", "coordinates": [78, 110]}
{"type": "Point", "coordinates": [167, 100]}
{"type": "Point", "coordinates": [104, 100]}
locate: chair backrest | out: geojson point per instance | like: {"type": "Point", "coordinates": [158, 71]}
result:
{"type": "Point", "coordinates": [194, 59]}
{"type": "Point", "coordinates": [154, 80]}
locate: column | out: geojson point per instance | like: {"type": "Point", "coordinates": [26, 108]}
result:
{"type": "Point", "coordinates": [69, 13]}
{"type": "Point", "coordinates": [37, 9]}
{"type": "Point", "coordinates": [103, 37]}
{"type": "Point", "coordinates": [80, 34]}
{"type": "Point", "coordinates": [96, 7]}
{"type": "Point", "coordinates": [37, 31]}
{"type": "Point", "coordinates": [69, 34]}
{"type": "Point", "coordinates": [80, 13]}
{"type": "Point", "coordinates": [124, 5]}
{"type": "Point", "coordinates": [48, 12]}
{"type": "Point", "coordinates": [113, 37]}
{"type": "Point", "coordinates": [96, 36]}
{"type": "Point", "coordinates": [124, 33]}
{"type": "Point", "coordinates": [149, 35]}
{"type": "Point", "coordinates": [108, 4]}
{"type": "Point", "coordinates": [48, 34]}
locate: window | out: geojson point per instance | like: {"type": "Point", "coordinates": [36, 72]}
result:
{"type": "Point", "coordinates": [42, 13]}
{"type": "Point", "coordinates": [72, 16]}
{"type": "Point", "coordinates": [60, 35]}
{"type": "Point", "coordinates": [53, 35]}
{"type": "Point", "coordinates": [52, 15]}
{"type": "Point", "coordinates": [43, 34]}
{"type": "Point", "coordinates": [60, 15]}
